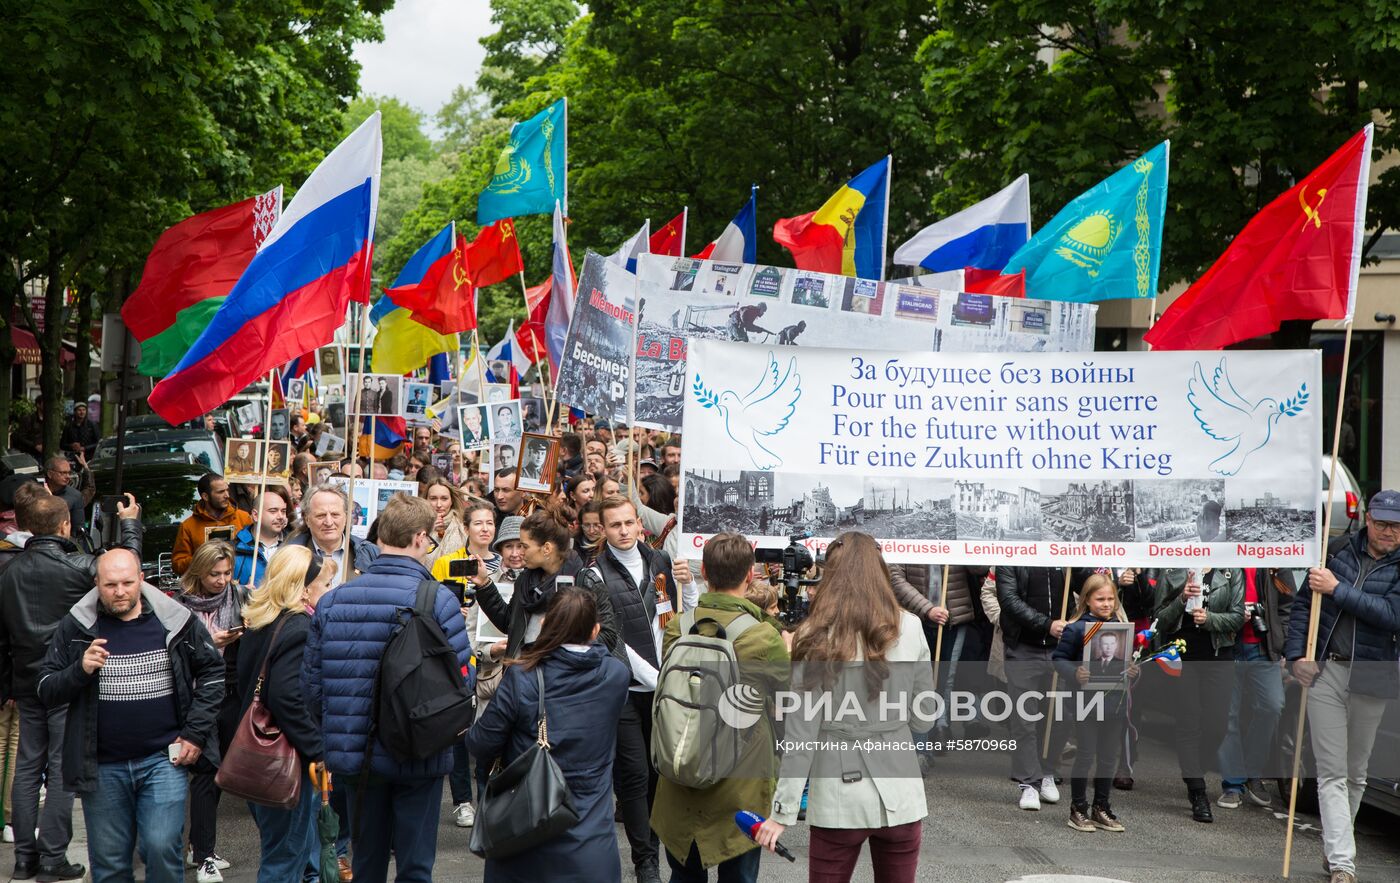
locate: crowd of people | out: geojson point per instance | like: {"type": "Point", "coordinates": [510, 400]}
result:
{"type": "Point", "coordinates": [566, 615]}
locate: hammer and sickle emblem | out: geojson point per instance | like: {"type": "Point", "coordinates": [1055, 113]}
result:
{"type": "Point", "coordinates": [460, 277]}
{"type": "Point", "coordinates": [507, 230]}
{"type": "Point", "coordinates": [1312, 212]}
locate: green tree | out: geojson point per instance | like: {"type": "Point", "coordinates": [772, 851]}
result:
{"type": "Point", "coordinates": [466, 118]}
{"type": "Point", "coordinates": [1253, 97]}
{"type": "Point", "coordinates": [401, 124]}
{"type": "Point", "coordinates": [119, 119]}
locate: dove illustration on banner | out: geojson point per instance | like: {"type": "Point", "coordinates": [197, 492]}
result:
{"type": "Point", "coordinates": [1228, 417]}
{"type": "Point", "coordinates": [763, 412]}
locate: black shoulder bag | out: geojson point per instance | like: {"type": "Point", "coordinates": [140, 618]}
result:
{"type": "Point", "coordinates": [527, 802]}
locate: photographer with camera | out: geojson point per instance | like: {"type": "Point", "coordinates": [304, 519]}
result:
{"type": "Point", "coordinates": [1246, 750]}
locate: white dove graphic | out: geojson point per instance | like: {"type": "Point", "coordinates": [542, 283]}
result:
{"type": "Point", "coordinates": [1229, 417]}
{"type": "Point", "coordinates": [765, 411]}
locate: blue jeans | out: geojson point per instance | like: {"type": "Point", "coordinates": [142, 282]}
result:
{"type": "Point", "coordinates": [289, 838]}
{"type": "Point", "coordinates": [401, 816]}
{"type": "Point", "coordinates": [739, 869]}
{"type": "Point", "coordinates": [137, 803]}
{"type": "Point", "coordinates": [460, 780]}
{"type": "Point", "coordinates": [1245, 752]}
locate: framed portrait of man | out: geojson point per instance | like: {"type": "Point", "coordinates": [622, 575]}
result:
{"type": "Point", "coordinates": [538, 463]}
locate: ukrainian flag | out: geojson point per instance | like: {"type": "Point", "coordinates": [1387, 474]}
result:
{"type": "Point", "coordinates": [1107, 243]}
{"type": "Point", "coordinates": [402, 345]}
{"type": "Point", "coordinates": [847, 234]}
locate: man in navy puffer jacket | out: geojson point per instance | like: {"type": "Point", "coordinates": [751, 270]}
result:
{"type": "Point", "coordinates": [397, 806]}
{"type": "Point", "coordinates": [1352, 673]}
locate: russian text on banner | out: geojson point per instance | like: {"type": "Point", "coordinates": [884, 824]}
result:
{"type": "Point", "coordinates": [1189, 459]}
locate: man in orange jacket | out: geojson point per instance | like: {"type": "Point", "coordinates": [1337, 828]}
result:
{"type": "Point", "coordinates": [213, 510]}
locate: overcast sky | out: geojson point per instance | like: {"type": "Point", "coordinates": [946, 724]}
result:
{"type": "Point", "coordinates": [430, 46]}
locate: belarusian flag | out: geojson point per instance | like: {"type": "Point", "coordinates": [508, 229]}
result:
{"type": "Point", "coordinates": [1299, 258]}
{"type": "Point", "coordinates": [189, 271]}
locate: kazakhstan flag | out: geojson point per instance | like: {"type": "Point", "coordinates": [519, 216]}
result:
{"type": "Point", "coordinates": [1107, 243]}
{"type": "Point", "coordinates": [531, 172]}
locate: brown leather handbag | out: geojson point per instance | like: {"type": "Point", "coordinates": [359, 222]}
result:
{"type": "Point", "coordinates": [261, 766]}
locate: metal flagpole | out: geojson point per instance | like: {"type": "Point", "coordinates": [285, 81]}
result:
{"type": "Point", "coordinates": [885, 228]}
{"type": "Point", "coordinates": [353, 438]}
{"type": "Point", "coordinates": [262, 480]}
{"type": "Point", "coordinates": [1315, 611]}
{"type": "Point", "coordinates": [1054, 675]}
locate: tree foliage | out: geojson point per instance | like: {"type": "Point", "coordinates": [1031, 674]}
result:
{"type": "Point", "coordinates": [400, 123]}
{"type": "Point", "coordinates": [118, 119]}
{"type": "Point", "coordinates": [1253, 97]}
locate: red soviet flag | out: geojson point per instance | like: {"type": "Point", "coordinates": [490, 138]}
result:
{"type": "Point", "coordinates": [670, 239]}
{"type": "Point", "coordinates": [494, 255]}
{"type": "Point", "coordinates": [445, 299]}
{"type": "Point", "coordinates": [1296, 259]}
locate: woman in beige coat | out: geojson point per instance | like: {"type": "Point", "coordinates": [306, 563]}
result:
{"type": "Point", "coordinates": [856, 648]}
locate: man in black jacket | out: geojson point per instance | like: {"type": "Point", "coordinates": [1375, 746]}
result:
{"type": "Point", "coordinates": [142, 684]}
{"type": "Point", "coordinates": [1031, 599]}
{"type": "Point", "coordinates": [627, 571]}
{"type": "Point", "coordinates": [36, 592]}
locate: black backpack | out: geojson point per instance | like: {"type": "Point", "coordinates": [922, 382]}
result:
{"type": "Point", "coordinates": [422, 704]}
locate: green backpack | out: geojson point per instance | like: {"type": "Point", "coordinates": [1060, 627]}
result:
{"type": "Point", "coordinates": [702, 713]}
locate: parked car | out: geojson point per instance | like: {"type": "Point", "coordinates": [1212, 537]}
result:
{"type": "Point", "coordinates": [1348, 504]}
{"type": "Point", "coordinates": [205, 446]}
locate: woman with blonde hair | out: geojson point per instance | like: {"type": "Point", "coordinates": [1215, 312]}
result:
{"type": "Point", "coordinates": [277, 620]}
{"type": "Point", "coordinates": [449, 506]}
{"type": "Point", "coordinates": [211, 594]}
{"type": "Point", "coordinates": [848, 647]}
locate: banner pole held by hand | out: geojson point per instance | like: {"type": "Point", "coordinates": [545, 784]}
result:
{"type": "Point", "coordinates": [1054, 674]}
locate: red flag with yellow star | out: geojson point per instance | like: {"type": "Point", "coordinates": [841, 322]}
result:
{"type": "Point", "coordinates": [445, 299]}
{"type": "Point", "coordinates": [1297, 259]}
{"type": "Point", "coordinates": [494, 255]}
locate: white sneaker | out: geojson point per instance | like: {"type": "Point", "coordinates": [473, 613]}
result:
{"type": "Point", "coordinates": [189, 857]}
{"type": "Point", "coordinates": [9, 834]}
{"type": "Point", "coordinates": [209, 872]}
{"type": "Point", "coordinates": [464, 816]}
{"type": "Point", "coordinates": [1030, 798]}
{"type": "Point", "coordinates": [1048, 792]}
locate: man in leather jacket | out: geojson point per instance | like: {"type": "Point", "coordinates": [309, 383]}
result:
{"type": "Point", "coordinates": [36, 593]}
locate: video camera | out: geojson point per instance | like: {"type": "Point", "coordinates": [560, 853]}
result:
{"type": "Point", "coordinates": [796, 560]}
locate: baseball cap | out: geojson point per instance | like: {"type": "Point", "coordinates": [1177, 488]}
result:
{"type": "Point", "coordinates": [509, 531]}
{"type": "Point", "coordinates": [1385, 506]}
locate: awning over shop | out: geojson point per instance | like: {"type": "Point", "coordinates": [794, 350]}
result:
{"type": "Point", "coordinates": [27, 348]}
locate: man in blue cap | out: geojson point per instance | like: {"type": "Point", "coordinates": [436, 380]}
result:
{"type": "Point", "coordinates": [1353, 673]}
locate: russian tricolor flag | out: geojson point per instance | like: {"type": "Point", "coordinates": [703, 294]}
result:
{"type": "Point", "coordinates": [738, 244]}
{"type": "Point", "coordinates": [561, 295]}
{"type": "Point", "coordinates": [295, 291]}
{"type": "Point", "coordinates": [626, 256]}
{"type": "Point", "coordinates": [983, 236]}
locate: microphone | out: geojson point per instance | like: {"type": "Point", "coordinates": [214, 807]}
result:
{"type": "Point", "coordinates": [750, 822]}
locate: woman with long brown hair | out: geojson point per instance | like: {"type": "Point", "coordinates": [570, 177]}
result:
{"type": "Point", "coordinates": [857, 645]}
{"type": "Point", "coordinates": [449, 531]}
{"type": "Point", "coordinates": [584, 691]}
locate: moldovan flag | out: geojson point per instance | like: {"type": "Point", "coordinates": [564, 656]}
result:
{"type": "Point", "coordinates": [189, 272]}
{"type": "Point", "coordinates": [738, 244]}
{"type": "Point", "coordinates": [494, 255]}
{"type": "Point", "coordinates": [1299, 258]}
{"type": "Point", "coordinates": [670, 239]}
{"type": "Point", "coordinates": [295, 292]}
{"type": "Point", "coordinates": [847, 234]}
{"type": "Point", "coordinates": [404, 340]}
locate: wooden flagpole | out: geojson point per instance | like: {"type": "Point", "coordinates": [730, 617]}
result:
{"type": "Point", "coordinates": [1054, 674]}
{"type": "Point", "coordinates": [1315, 610]}
{"type": "Point", "coordinates": [938, 644]}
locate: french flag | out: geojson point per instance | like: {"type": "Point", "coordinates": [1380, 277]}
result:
{"type": "Point", "coordinates": [295, 291]}
{"type": "Point", "coordinates": [561, 296]}
{"type": "Point", "coordinates": [738, 244]}
{"type": "Point", "coordinates": [984, 236]}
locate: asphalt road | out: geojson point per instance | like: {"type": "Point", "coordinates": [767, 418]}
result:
{"type": "Point", "coordinates": [975, 832]}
